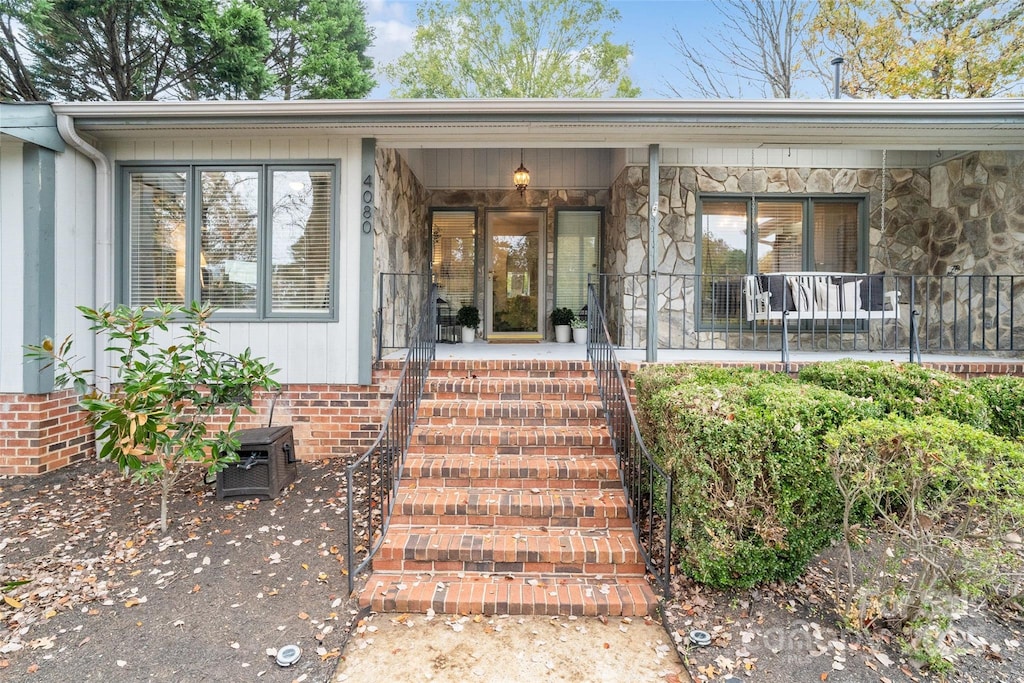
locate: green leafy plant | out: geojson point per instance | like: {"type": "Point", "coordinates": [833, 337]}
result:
{"type": "Point", "coordinates": [1005, 399]}
{"type": "Point", "coordinates": [942, 496]}
{"type": "Point", "coordinates": [578, 323]}
{"type": "Point", "coordinates": [468, 316]}
{"type": "Point", "coordinates": [154, 417]}
{"type": "Point", "coordinates": [754, 497]}
{"type": "Point", "coordinates": [562, 316]}
{"type": "Point", "coordinates": [906, 389]}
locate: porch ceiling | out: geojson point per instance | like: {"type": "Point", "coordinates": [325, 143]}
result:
{"type": "Point", "coordinates": [909, 125]}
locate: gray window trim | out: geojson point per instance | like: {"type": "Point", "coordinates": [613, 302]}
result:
{"type": "Point", "coordinates": [264, 167]}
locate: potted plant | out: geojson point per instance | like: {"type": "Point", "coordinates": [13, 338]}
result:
{"type": "Point", "coordinates": [468, 318]}
{"type": "Point", "coordinates": [561, 318]}
{"type": "Point", "coordinates": [579, 330]}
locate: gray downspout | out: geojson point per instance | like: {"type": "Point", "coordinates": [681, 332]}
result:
{"type": "Point", "coordinates": [103, 261]}
{"type": "Point", "coordinates": [653, 196]}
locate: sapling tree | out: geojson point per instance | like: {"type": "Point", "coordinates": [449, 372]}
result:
{"type": "Point", "coordinates": [155, 417]}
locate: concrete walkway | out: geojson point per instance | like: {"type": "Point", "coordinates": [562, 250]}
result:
{"type": "Point", "coordinates": [463, 649]}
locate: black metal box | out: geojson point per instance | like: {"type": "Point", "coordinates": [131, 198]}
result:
{"type": "Point", "coordinates": [266, 464]}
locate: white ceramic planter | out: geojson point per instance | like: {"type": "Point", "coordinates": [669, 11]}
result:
{"type": "Point", "coordinates": [579, 335]}
{"type": "Point", "coordinates": [563, 333]}
{"type": "Point", "coordinates": [468, 335]}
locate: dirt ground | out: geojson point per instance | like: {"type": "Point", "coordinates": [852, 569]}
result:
{"type": "Point", "coordinates": [110, 598]}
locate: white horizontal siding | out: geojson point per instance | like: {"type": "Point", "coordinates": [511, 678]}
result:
{"type": "Point", "coordinates": [12, 265]}
{"type": "Point", "coordinates": [304, 352]}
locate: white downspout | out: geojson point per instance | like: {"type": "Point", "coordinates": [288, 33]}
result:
{"type": "Point", "coordinates": [104, 233]}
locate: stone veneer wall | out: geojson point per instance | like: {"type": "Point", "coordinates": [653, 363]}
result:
{"type": "Point", "coordinates": [401, 242]}
{"type": "Point", "coordinates": [626, 251]}
{"type": "Point", "coordinates": [964, 215]}
{"type": "Point", "coordinates": [550, 200]}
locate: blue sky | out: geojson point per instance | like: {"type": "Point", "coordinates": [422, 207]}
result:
{"type": "Point", "coordinates": [646, 24]}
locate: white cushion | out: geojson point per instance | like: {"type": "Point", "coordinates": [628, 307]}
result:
{"type": "Point", "coordinates": [826, 294]}
{"type": "Point", "coordinates": [803, 292]}
{"type": "Point", "coordinates": [850, 296]}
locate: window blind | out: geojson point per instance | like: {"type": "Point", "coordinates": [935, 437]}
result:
{"type": "Point", "coordinates": [157, 237]}
{"type": "Point", "coordinates": [576, 247]}
{"type": "Point", "coordinates": [836, 227]}
{"type": "Point", "coordinates": [229, 209]}
{"type": "Point", "coordinates": [301, 240]}
{"type": "Point", "coordinates": [453, 256]}
{"type": "Point", "coordinates": [780, 237]}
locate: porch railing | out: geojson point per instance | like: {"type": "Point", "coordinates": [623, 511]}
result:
{"type": "Point", "coordinates": [647, 485]}
{"type": "Point", "coordinates": [379, 469]}
{"type": "Point", "coordinates": [957, 314]}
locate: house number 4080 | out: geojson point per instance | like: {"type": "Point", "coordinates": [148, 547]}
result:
{"type": "Point", "coordinates": [368, 204]}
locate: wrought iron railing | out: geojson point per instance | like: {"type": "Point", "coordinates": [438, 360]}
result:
{"type": "Point", "coordinates": [961, 314]}
{"type": "Point", "coordinates": [379, 468]}
{"type": "Point", "coordinates": [647, 485]}
{"type": "Point", "coordinates": [399, 297]}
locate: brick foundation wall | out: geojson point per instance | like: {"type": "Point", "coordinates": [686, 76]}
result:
{"type": "Point", "coordinates": [42, 432]}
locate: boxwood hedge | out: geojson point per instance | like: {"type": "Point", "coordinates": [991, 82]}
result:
{"type": "Point", "coordinates": [754, 496]}
{"type": "Point", "coordinates": [1005, 399]}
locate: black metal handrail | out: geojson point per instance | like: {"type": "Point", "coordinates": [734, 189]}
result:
{"type": "Point", "coordinates": [382, 463]}
{"type": "Point", "coordinates": [647, 485]}
{"type": "Point", "coordinates": [962, 314]}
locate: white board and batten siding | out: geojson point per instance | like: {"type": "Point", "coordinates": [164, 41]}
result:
{"type": "Point", "coordinates": [304, 352]}
{"type": "Point", "coordinates": [782, 157]}
{"type": "Point", "coordinates": [491, 168]}
{"type": "Point", "coordinates": [12, 265]}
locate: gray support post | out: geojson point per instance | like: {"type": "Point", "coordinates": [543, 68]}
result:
{"type": "Point", "coordinates": [38, 296]}
{"type": "Point", "coordinates": [367, 186]}
{"type": "Point", "coordinates": [653, 193]}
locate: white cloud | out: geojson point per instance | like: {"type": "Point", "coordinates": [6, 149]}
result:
{"type": "Point", "coordinates": [394, 23]}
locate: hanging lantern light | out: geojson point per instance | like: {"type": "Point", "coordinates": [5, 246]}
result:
{"type": "Point", "coordinates": [521, 176]}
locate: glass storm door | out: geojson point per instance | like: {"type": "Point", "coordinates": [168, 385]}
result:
{"type": "Point", "coordinates": [515, 285]}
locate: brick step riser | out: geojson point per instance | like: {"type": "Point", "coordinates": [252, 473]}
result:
{"type": "Point", "coordinates": [513, 597]}
{"type": "Point", "coordinates": [513, 509]}
{"type": "Point", "coordinates": [495, 438]}
{"type": "Point", "coordinates": [509, 521]}
{"type": "Point", "coordinates": [491, 451]}
{"type": "Point", "coordinates": [430, 394]}
{"type": "Point", "coordinates": [568, 484]}
{"type": "Point", "coordinates": [635, 569]}
{"type": "Point", "coordinates": [585, 551]}
{"type": "Point", "coordinates": [509, 422]}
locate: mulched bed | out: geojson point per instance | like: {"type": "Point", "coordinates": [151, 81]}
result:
{"type": "Point", "coordinates": [782, 633]}
{"type": "Point", "coordinates": [110, 597]}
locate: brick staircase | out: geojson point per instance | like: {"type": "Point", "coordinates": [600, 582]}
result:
{"type": "Point", "coordinates": [510, 502]}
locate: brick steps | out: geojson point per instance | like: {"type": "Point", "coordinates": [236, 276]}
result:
{"type": "Point", "coordinates": [607, 547]}
{"type": "Point", "coordinates": [456, 435]}
{"type": "Point", "coordinates": [497, 472]}
{"type": "Point", "coordinates": [510, 500]}
{"type": "Point", "coordinates": [512, 413]}
{"type": "Point", "coordinates": [543, 594]}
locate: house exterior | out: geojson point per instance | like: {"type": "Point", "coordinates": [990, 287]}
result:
{"type": "Point", "coordinates": [316, 226]}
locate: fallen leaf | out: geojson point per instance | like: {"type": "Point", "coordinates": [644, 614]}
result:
{"type": "Point", "coordinates": [16, 604]}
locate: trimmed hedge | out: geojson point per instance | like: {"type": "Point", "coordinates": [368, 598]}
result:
{"type": "Point", "coordinates": [651, 379]}
{"type": "Point", "coordinates": [905, 389]}
{"type": "Point", "coordinates": [1005, 399]}
{"type": "Point", "coordinates": [754, 496]}
{"type": "Point", "coordinates": [959, 464]}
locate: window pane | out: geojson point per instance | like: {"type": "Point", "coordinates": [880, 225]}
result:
{"type": "Point", "coordinates": [780, 237]}
{"type": "Point", "coordinates": [228, 256]}
{"type": "Point", "coordinates": [301, 240]}
{"type": "Point", "coordinates": [576, 249]}
{"type": "Point", "coordinates": [156, 238]}
{"type": "Point", "coordinates": [835, 237]}
{"type": "Point", "coordinates": [723, 233]}
{"type": "Point", "coordinates": [453, 256]}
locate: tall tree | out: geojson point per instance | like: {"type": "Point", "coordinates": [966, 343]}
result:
{"type": "Point", "coordinates": [758, 44]}
{"type": "Point", "coordinates": [132, 49]}
{"type": "Point", "coordinates": [319, 48]}
{"type": "Point", "coordinates": [513, 48]}
{"type": "Point", "coordinates": [942, 49]}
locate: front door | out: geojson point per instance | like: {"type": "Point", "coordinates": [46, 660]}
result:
{"type": "Point", "coordinates": [515, 283]}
